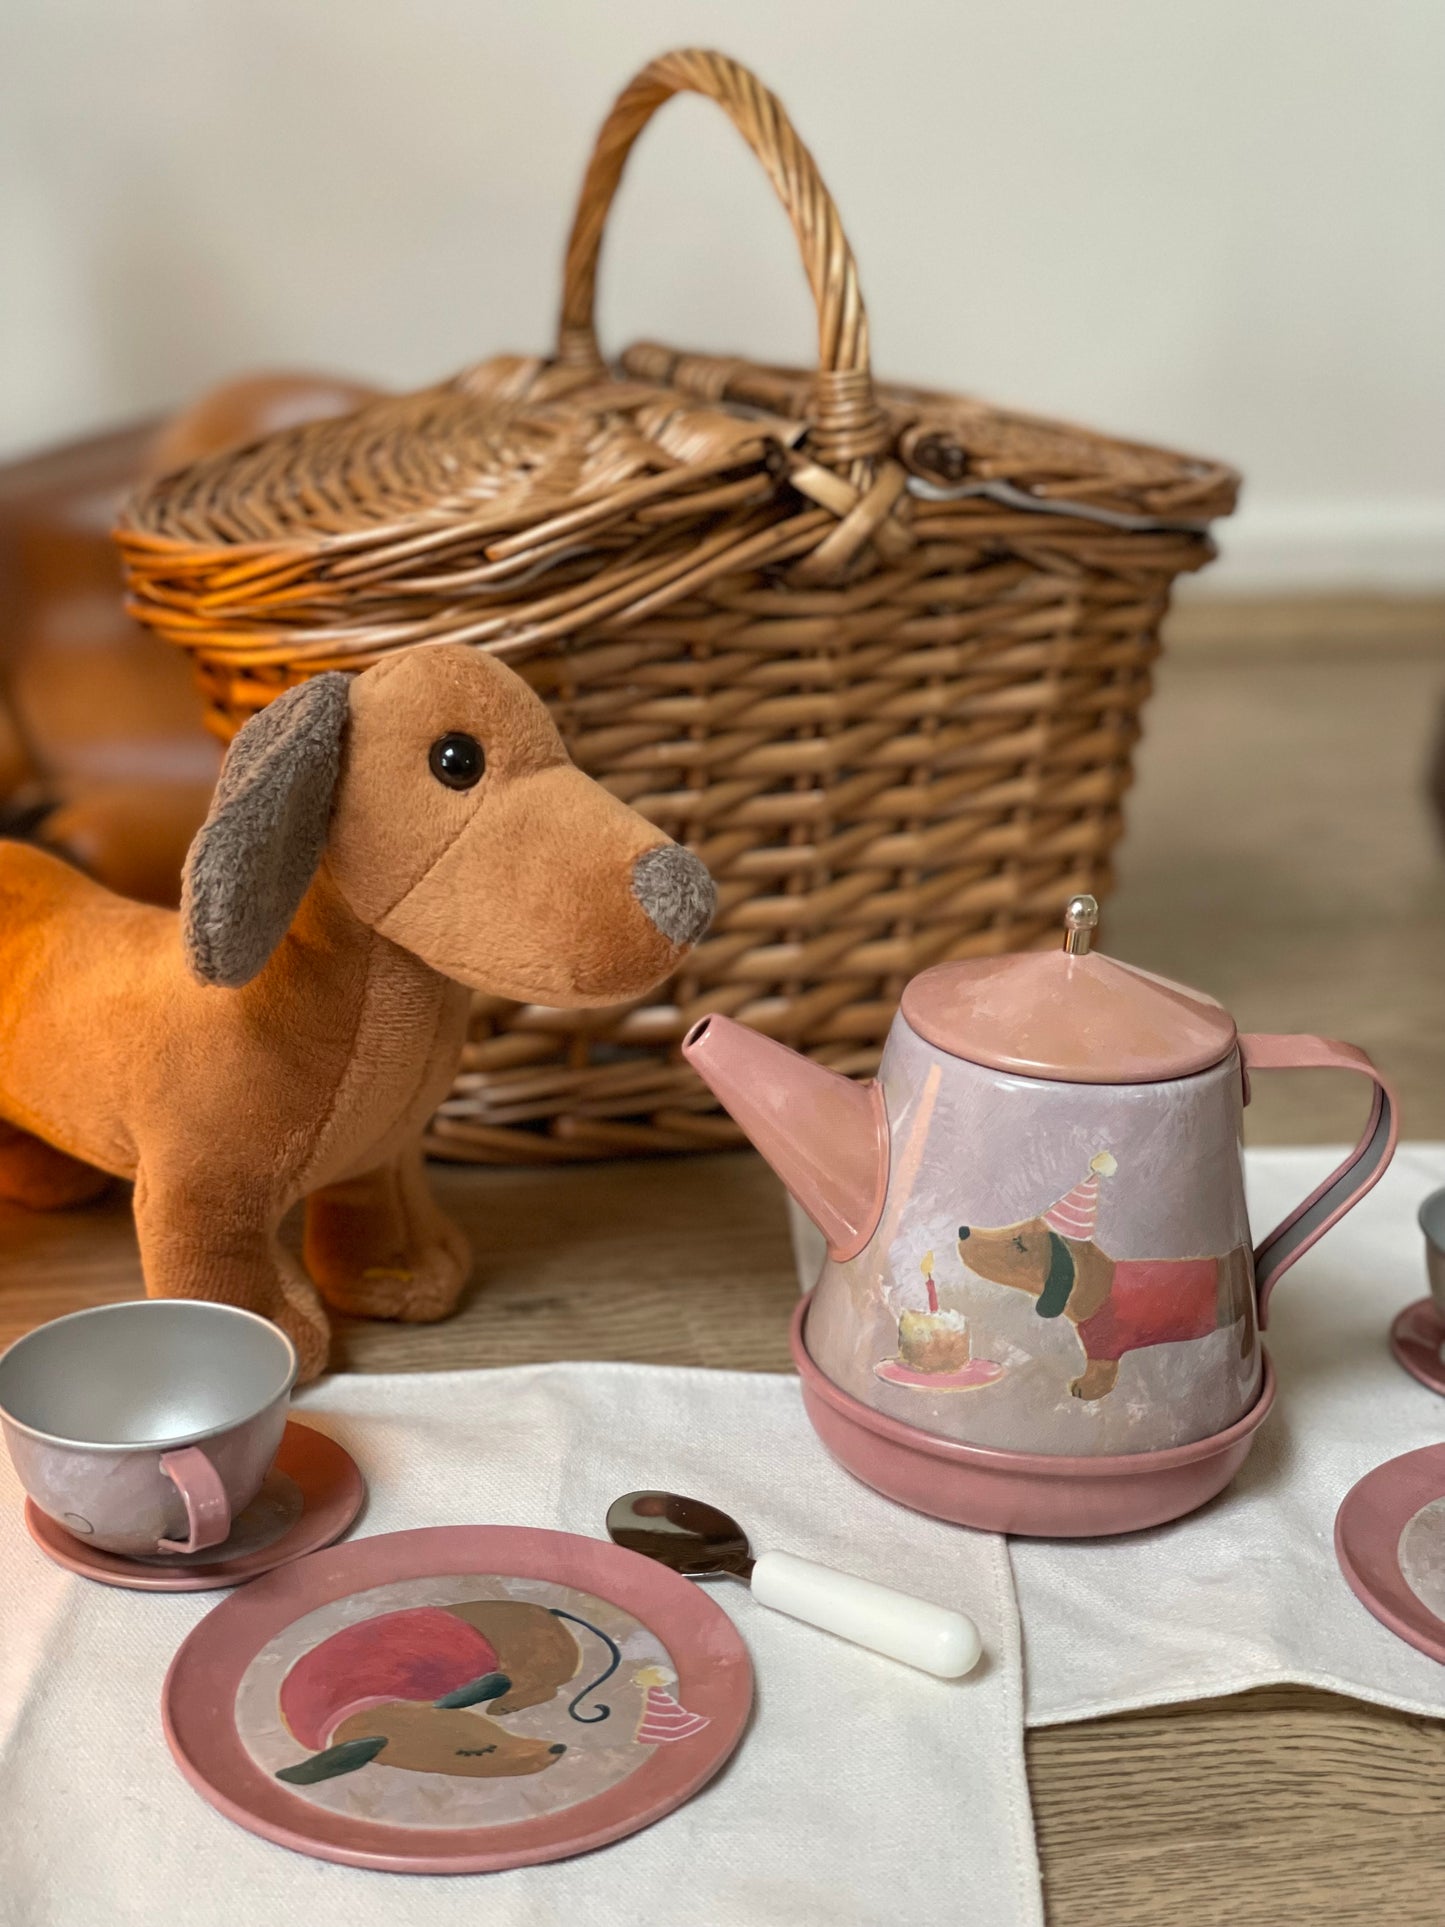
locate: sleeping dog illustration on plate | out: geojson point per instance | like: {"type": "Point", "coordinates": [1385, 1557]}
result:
{"type": "Point", "coordinates": [426, 1689]}
{"type": "Point", "coordinates": [1115, 1305]}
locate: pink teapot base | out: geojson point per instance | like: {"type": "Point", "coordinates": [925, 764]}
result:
{"type": "Point", "coordinates": [1035, 1495]}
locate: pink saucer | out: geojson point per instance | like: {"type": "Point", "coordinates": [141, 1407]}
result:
{"type": "Point", "coordinates": [310, 1496]}
{"type": "Point", "coordinates": [1415, 1338]}
{"type": "Point", "coordinates": [1390, 1542]}
{"type": "Point", "coordinates": [978, 1371]}
{"type": "Point", "coordinates": [457, 1699]}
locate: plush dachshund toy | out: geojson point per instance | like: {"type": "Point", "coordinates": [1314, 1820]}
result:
{"type": "Point", "coordinates": [376, 846]}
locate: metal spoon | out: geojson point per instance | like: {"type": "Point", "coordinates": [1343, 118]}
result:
{"type": "Point", "coordinates": [697, 1540]}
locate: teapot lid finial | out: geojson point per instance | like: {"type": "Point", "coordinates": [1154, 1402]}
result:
{"type": "Point", "coordinates": [1081, 920]}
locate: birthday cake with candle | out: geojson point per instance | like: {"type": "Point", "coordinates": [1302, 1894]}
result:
{"type": "Point", "coordinates": [934, 1349]}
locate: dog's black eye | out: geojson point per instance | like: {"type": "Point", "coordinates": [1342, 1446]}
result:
{"type": "Point", "coordinates": [457, 760]}
{"type": "Point", "coordinates": [1019, 1245]}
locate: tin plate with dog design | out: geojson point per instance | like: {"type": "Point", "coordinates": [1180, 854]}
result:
{"type": "Point", "coordinates": [458, 1699]}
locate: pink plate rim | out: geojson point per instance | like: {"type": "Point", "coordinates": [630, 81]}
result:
{"type": "Point", "coordinates": [333, 1492]}
{"type": "Point", "coordinates": [1415, 1339]}
{"type": "Point", "coordinates": [1373, 1514]}
{"type": "Point", "coordinates": [715, 1679]}
{"type": "Point", "coordinates": [987, 1458]}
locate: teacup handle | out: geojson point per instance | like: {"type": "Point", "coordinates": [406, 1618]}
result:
{"type": "Point", "coordinates": [208, 1510]}
{"type": "Point", "coordinates": [1343, 1188]}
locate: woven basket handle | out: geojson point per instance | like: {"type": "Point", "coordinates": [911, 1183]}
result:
{"type": "Point", "coordinates": [848, 426]}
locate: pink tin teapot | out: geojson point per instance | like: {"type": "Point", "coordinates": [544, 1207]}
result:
{"type": "Point", "coordinates": [1039, 1311]}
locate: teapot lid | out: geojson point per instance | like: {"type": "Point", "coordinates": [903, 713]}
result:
{"type": "Point", "coordinates": [1069, 1014]}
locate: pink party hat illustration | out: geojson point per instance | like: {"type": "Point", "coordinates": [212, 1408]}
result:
{"type": "Point", "coordinates": [1077, 1212]}
{"type": "Point", "coordinates": [663, 1719]}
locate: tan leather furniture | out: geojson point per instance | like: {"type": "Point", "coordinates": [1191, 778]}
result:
{"type": "Point", "coordinates": [103, 757]}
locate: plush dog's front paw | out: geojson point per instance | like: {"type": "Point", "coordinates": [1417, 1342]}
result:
{"type": "Point", "coordinates": [373, 1262]}
{"type": "Point", "coordinates": [302, 1316]}
{"type": "Point", "coordinates": [417, 1292]}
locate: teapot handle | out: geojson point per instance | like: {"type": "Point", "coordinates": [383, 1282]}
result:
{"type": "Point", "coordinates": [1342, 1189]}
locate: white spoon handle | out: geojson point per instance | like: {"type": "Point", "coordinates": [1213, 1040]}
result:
{"type": "Point", "coordinates": [933, 1638]}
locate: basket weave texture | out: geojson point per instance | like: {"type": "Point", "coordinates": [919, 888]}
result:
{"type": "Point", "coordinates": [877, 654]}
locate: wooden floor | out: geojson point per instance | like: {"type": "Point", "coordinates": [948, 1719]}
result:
{"type": "Point", "coordinates": [1280, 855]}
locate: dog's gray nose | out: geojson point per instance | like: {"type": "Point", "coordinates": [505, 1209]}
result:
{"type": "Point", "coordinates": [962, 1233]}
{"type": "Point", "coordinates": [676, 892]}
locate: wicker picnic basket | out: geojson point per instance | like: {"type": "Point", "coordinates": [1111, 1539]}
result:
{"type": "Point", "coordinates": [877, 654]}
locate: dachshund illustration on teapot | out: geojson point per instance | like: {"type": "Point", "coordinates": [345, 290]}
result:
{"type": "Point", "coordinates": [403, 1689]}
{"type": "Point", "coordinates": [1115, 1305]}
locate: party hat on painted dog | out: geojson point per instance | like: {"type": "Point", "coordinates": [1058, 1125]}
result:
{"type": "Point", "coordinates": [1077, 1212]}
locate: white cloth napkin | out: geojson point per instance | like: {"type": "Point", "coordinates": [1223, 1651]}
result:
{"type": "Point", "coordinates": [861, 1793]}
{"type": "Point", "coordinates": [1247, 1592]}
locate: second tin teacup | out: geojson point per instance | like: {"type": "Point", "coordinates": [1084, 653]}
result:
{"type": "Point", "coordinates": [145, 1427]}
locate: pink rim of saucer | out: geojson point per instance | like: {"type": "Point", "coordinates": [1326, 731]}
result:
{"type": "Point", "coordinates": [1036, 1495]}
{"type": "Point", "coordinates": [1367, 1543]}
{"type": "Point", "coordinates": [715, 1681]}
{"type": "Point", "coordinates": [332, 1491]}
{"type": "Point", "coordinates": [1415, 1338]}
{"type": "Point", "coordinates": [979, 1371]}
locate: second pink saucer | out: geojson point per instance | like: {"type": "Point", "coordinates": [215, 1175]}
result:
{"type": "Point", "coordinates": [1416, 1338]}
{"type": "Point", "coordinates": [311, 1495]}
{"type": "Point", "coordinates": [1390, 1542]}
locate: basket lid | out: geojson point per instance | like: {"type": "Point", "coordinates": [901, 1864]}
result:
{"type": "Point", "coordinates": [1070, 1014]}
{"type": "Point", "coordinates": [535, 499]}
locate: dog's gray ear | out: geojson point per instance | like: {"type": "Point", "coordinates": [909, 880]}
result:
{"type": "Point", "coordinates": [253, 858]}
{"type": "Point", "coordinates": [1060, 1281]}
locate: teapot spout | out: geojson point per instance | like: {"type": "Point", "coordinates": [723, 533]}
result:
{"type": "Point", "coordinates": [825, 1136]}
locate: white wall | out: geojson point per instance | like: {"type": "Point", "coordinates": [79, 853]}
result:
{"type": "Point", "coordinates": [1217, 225]}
